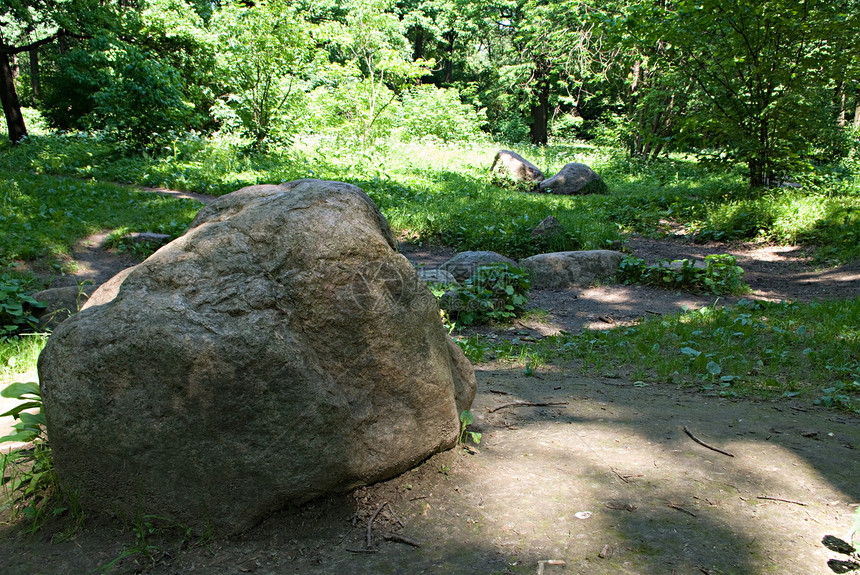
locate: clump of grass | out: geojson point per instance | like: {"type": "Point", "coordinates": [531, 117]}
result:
{"type": "Point", "coordinates": [18, 356]}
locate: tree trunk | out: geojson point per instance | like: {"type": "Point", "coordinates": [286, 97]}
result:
{"type": "Point", "coordinates": [857, 116]}
{"type": "Point", "coordinates": [418, 48]}
{"type": "Point", "coordinates": [451, 37]}
{"type": "Point", "coordinates": [34, 74]}
{"type": "Point", "coordinates": [9, 97]}
{"type": "Point", "coordinates": [540, 114]}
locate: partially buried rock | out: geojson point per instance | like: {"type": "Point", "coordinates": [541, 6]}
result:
{"type": "Point", "coordinates": [561, 270]}
{"type": "Point", "coordinates": [280, 350]}
{"type": "Point", "coordinates": [515, 168]}
{"type": "Point", "coordinates": [463, 265]}
{"type": "Point", "coordinates": [548, 227]}
{"type": "Point", "coordinates": [60, 303]}
{"type": "Point", "coordinates": [574, 179]}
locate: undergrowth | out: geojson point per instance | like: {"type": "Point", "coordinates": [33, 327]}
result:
{"type": "Point", "coordinates": [445, 193]}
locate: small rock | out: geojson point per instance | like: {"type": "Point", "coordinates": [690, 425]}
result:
{"type": "Point", "coordinates": [437, 275]}
{"type": "Point", "coordinates": [61, 302]}
{"type": "Point", "coordinates": [148, 238]}
{"type": "Point", "coordinates": [560, 270]}
{"type": "Point", "coordinates": [574, 179]}
{"type": "Point", "coordinates": [547, 228]}
{"type": "Point", "coordinates": [463, 265]}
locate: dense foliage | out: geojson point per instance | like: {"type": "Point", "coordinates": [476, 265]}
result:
{"type": "Point", "coordinates": [772, 84]}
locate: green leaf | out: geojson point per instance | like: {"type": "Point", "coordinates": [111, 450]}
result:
{"type": "Point", "coordinates": [690, 351]}
{"type": "Point", "coordinates": [21, 407]}
{"type": "Point", "coordinates": [19, 389]}
{"type": "Point", "coordinates": [466, 417]}
{"type": "Point", "coordinates": [21, 436]}
{"type": "Point", "coordinates": [714, 368]}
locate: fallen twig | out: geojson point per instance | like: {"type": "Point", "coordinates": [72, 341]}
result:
{"type": "Point", "coordinates": [400, 539]}
{"type": "Point", "coordinates": [527, 404]}
{"type": "Point", "coordinates": [361, 550]}
{"type": "Point", "coordinates": [498, 391]}
{"type": "Point", "coordinates": [394, 515]}
{"type": "Point", "coordinates": [780, 499]}
{"type": "Point", "coordinates": [703, 444]}
{"type": "Point", "coordinates": [372, 519]}
{"type": "Point", "coordinates": [682, 510]}
{"type": "Point", "coordinates": [541, 564]}
{"type": "Point", "coordinates": [621, 477]}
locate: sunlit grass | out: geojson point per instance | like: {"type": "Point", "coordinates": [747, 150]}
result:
{"type": "Point", "coordinates": [43, 216]}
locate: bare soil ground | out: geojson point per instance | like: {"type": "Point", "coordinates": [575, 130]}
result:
{"type": "Point", "coordinates": [606, 480]}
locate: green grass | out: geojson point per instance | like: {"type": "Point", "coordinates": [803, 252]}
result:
{"type": "Point", "coordinates": [43, 216]}
{"type": "Point", "coordinates": [754, 349]}
{"type": "Point", "coordinates": [18, 356]}
{"type": "Point", "coordinates": [443, 193]}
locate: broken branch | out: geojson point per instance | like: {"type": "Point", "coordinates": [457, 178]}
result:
{"type": "Point", "coordinates": [703, 444]}
{"type": "Point", "coordinates": [527, 404]}
{"type": "Point", "coordinates": [372, 519]}
{"type": "Point", "coordinates": [780, 499]}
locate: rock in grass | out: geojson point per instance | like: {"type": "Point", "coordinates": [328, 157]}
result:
{"type": "Point", "coordinates": [574, 179]}
{"type": "Point", "coordinates": [60, 303]}
{"type": "Point", "coordinates": [437, 275]}
{"type": "Point", "coordinates": [463, 265]}
{"type": "Point", "coordinates": [515, 168]}
{"type": "Point", "coordinates": [549, 227]}
{"type": "Point", "coordinates": [560, 270]}
{"type": "Point", "coordinates": [280, 350]}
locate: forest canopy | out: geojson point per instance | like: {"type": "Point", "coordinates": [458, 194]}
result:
{"type": "Point", "coordinates": [772, 84]}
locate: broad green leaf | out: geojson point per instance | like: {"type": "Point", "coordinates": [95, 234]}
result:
{"type": "Point", "coordinates": [17, 390]}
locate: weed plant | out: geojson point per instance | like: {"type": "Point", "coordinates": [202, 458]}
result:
{"type": "Point", "coordinates": [721, 274]}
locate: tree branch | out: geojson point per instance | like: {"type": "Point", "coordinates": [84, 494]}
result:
{"type": "Point", "coordinates": [10, 50]}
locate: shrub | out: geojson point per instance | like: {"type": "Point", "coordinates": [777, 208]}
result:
{"type": "Point", "coordinates": [16, 306]}
{"type": "Point", "coordinates": [496, 292]}
{"type": "Point", "coordinates": [721, 274]}
{"type": "Point", "coordinates": [438, 112]}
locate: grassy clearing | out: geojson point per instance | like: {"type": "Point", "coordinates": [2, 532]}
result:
{"type": "Point", "coordinates": [754, 349]}
{"type": "Point", "coordinates": [443, 193]}
{"type": "Point", "coordinates": [43, 216]}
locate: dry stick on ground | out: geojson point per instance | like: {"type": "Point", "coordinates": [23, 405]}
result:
{"type": "Point", "coordinates": [780, 499]}
{"type": "Point", "coordinates": [681, 509]}
{"type": "Point", "coordinates": [372, 519]}
{"type": "Point", "coordinates": [541, 564]}
{"type": "Point", "coordinates": [527, 404]}
{"type": "Point", "coordinates": [703, 444]}
{"type": "Point", "coordinates": [400, 539]}
{"type": "Point", "coordinates": [394, 515]}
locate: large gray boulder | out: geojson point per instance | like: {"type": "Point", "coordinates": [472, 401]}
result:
{"type": "Point", "coordinates": [574, 179]}
{"type": "Point", "coordinates": [560, 270]}
{"type": "Point", "coordinates": [463, 265]}
{"type": "Point", "coordinates": [514, 167]}
{"type": "Point", "coordinates": [280, 350]}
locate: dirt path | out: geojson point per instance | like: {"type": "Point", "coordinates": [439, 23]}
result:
{"type": "Point", "coordinates": [610, 471]}
{"type": "Point", "coordinates": [607, 483]}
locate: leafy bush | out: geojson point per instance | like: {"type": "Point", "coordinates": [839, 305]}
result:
{"type": "Point", "coordinates": [496, 292]}
{"type": "Point", "coordinates": [16, 306]}
{"type": "Point", "coordinates": [721, 274]}
{"type": "Point", "coordinates": [438, 112]}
